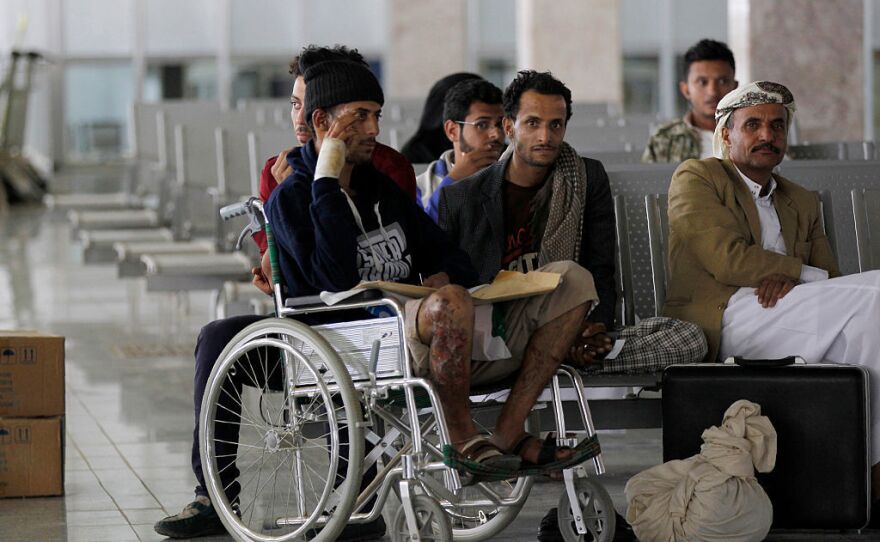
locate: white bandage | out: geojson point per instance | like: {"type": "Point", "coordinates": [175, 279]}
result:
{"type": "Point", "coordinates": [331, 158]}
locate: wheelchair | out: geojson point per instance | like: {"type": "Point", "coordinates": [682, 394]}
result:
{"type": "Point", "coordinates": [289, 407]}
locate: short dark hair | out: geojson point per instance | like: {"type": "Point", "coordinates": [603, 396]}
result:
{"type": "Point", "coordinates": [312, 54]}
{"type": "Point", "coordinates": [541, 82]}
{"type": "Point", "coordinates": [707, 49]}
{"type": "Point", "coordinates": [460, 97]}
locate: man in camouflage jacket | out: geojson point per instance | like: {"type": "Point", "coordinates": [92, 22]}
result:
{"type": "Point", "coordinates": [708, 76]}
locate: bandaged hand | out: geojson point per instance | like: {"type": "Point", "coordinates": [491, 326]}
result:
{"type": "Point", "coordinates": [334, 147]}
{"type": "Point", "coordinates": [331, 158]}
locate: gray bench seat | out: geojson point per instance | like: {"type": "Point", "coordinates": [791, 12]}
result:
{"type": "Point", "coordinates": [92, 202]}
{"type": "Point", "coordinates": [98, 244]}
{"type": "Point", "coordinates": [114, 220]}
{"type": "Point", "coordinates": [128, 254]}
{"type": "Point", "coordinates": [179, 272]}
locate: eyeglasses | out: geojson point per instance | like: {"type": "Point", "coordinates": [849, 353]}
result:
{"type": "Point", "coordinates": [483, 125]}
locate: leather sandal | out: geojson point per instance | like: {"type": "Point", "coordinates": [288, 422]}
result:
{"type": "Point", "coordinates": [483, 459]}
{"type": "Point", "coordinates": [547, 463]}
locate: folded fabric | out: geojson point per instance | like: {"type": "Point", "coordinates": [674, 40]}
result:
{"type": "Point", "coordinates": [712, 496]}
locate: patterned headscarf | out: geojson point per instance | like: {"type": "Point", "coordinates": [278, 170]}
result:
{"type": "Point", "coordinates": [757, 93]}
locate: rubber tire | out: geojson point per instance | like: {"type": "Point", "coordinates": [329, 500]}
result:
{"type": "Point", "coordinates": [422, 505]}
{"type": "Point", "coordinates": [598, 507]}
{"type": "Point", "coordinates": [336, 370]}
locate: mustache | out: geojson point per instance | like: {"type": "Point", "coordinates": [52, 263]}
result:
{"type": "Point", "coordinates": [767, 146]}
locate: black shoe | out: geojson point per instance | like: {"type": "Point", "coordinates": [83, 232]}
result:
{"type": "Point", "coordinates": [549, 529]}
{"type": "Point", "coordinates": [198, 518]}
{"type": "Point", "coordinates": [357, 532]}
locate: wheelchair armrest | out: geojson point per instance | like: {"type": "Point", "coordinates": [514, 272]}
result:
{"type": "Point", "coordinates": [303, 301]}
{"type": "Point", "coordinates": [315, 300]}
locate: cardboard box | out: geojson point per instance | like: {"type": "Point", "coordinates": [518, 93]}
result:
{"type": "Point", "coordinates": [31, 457]}
{"type": "Point", "coordinates": [31, 374]}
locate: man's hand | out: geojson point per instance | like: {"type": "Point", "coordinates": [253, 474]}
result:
{"type": "Point", "coordinates": [281, 169]}
{"type": "Point", "coordinates": [262, 275]}
{"type": "Point", "coordinates": [473, 161]}
{"type": "Point", "coordinates": [437, 280]}
{"type": "Point", "coordinates": [343, 126]}
{"type": "Point", "coordinates": [261, 281]}
{"type": "Point", "coordinates": [591, 344]}
{"type": "Point", "coordinates": [773, 288]}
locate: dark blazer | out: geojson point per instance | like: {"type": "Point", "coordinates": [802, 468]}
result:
{"type": "Point", "coordinates": [471, 211]}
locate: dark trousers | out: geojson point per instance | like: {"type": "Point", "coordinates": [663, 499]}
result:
{"type": "Point", "coordinates": [212, 339]}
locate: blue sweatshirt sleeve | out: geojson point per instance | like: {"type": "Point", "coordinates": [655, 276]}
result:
{"type": "Point", "coordinates": [434, 202]}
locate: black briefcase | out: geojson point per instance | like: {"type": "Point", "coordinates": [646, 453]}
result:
{"type": "Point", "coordinates": [821, 416]}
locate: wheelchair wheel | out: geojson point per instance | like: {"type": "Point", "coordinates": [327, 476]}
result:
{"type": "Point", "coordinates": [279, 435]}
{"type": "Point", "coordinates": [431, 521]}
{"type": "Point", "coordinates": [597, 510]}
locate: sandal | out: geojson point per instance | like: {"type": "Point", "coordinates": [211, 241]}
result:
{"type": "Point", "coordinates": [479, 457]}
{"type": "Point", "coordinates": [547, 463]}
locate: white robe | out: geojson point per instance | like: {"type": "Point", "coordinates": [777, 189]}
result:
{"type": "Point", "coordinates": [835, 320]}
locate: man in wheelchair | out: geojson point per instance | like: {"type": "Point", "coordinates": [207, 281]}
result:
{"type": "Point", "coordinates": [338, 221]}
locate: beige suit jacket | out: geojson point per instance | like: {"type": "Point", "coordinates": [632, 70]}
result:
{"type": "Point", "coordinates": [715, 241]}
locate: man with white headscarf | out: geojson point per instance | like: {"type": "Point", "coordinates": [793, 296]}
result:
{"type": "Point", "coordinates": [748, 257]}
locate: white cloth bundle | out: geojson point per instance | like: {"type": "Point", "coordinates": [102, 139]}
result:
{"type": "Point", "coordinates": [712, 496]}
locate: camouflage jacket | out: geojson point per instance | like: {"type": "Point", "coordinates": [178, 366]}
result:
{"type": "Point", "coordinates": [674, 141]}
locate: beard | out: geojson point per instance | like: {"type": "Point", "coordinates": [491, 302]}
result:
{"type": "Point", "coordinates": [524, 152]}
{"type": "Point", "coordinates": [463, 145]}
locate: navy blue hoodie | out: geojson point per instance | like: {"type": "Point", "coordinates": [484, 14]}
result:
{"type": "Point", "coordinates": [322, 247]}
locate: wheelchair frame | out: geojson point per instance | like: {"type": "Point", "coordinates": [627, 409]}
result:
{"type": "Point", "coordinates": [427, 502]}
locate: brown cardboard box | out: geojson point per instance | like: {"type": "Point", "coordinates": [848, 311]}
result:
{"type": "Point", "coordinates": [31, 457]}
{"type": "Point", "coordinates": [31, 374]}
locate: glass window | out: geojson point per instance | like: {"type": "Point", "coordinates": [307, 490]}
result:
{"type": "Point", "coordinates": [498, 71]}
{"type": "Point", "coordinates": [261, 79]}
{"type": "Point", "coordinates": [175, 79]}
{"type": "Point", "coordinates": [641, 76]}
{"type": "Point", "coordinates": [97, 99]}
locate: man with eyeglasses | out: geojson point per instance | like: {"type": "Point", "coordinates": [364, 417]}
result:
{"type": "Point", "coordinates": [472, 120]}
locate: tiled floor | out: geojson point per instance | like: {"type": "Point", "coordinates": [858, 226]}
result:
{"type": "Point", "coordinates": [129, 419]}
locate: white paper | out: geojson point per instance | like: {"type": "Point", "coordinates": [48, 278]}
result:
{"type": "Point", "coordinates": [332, 298]}
{"type": "Point", "coordinates": [486, 347]}
{"type": "Point", "coordinates": [615, 350]}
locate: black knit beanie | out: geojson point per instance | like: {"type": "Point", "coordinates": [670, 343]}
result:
{"type": "Point", "coordinates": [335, 82]}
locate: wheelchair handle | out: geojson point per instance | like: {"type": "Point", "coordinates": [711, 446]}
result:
{"type": "Point", "coordinates": [236, 209]}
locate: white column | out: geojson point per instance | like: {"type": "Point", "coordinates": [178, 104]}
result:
{"type": "Point", "coordinates": [668, 88]}
{"type": "Point", "coordinates": [577, 40]}
{"type": "Point", "coordinates": [428, 40]}
{"type": "Point", "coordinates": [868, 59]}
{"type": "Point", "coordinates": [816, 49]}
{"type": "Point", "coordinates": [224, 54]}
{"type": "Point", "coordinates": [56, 80]}
{"type": "Point", "coordinates": [138, 47]}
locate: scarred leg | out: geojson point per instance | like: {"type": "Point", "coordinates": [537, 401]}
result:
{"type": "Point", "coordinates": [446, 322]}
{"type": "Point", "coordinates": [544, 354]}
